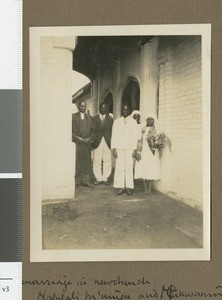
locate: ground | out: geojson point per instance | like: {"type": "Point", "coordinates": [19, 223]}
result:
{"type": "Point", "coordinates": [134, 222]}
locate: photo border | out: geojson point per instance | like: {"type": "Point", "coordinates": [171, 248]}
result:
{"type": "Point", "coordinates": [37, 254]}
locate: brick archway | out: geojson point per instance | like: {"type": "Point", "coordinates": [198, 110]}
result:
{"type": "Point", "coordinates": [130, 85]}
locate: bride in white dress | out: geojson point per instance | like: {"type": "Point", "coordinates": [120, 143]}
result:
{"type": "Point", "coordinates": [148, 161]}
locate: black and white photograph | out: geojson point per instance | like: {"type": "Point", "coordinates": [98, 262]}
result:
{"type": "Point", "coordinates": [120, 143]}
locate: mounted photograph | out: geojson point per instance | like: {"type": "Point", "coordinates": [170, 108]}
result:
{"type": "Point", "coordinates": [120, 143]}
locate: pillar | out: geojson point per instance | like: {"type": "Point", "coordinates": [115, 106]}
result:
{"type": "Point", "coordinates": [95, 97]}
{"type": "Point", "coordinates": [57, 148]}
{"type": "Point", "coordinates": [149, 77]}
{"type": "Point", "coordinates": [116, 92]}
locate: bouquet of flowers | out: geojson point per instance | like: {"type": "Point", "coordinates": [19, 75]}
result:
{"type": "Point", "coordinates": [158, 141]}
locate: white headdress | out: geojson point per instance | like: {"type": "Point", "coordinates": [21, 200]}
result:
{"type": "Point", "coordinates": [135, 112]}
{"type": "Point", "coordinates": [156, 121]}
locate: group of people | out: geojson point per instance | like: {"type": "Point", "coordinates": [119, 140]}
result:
{"type": "Point", "coordinates": [126, 139]}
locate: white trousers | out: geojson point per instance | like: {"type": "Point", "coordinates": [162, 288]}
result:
{"type": "Point", "coordinates": [123, 177]}
{"type": "Point", "coordinates": [102, 164]}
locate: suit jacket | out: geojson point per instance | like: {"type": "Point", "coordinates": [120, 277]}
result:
{"type": "Point", "coordinates": [90, 128]}
{"type": "Point", "coordinates": [103, 129]}
{"type": "Point", "coordinates": [124, 135]}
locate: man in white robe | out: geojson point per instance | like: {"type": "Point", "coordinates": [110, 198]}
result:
{"type": "Point", "coordinates": [123, 144]}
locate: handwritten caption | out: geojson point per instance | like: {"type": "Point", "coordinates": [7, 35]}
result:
{"type": "Point", "coordinates": [114, 289]}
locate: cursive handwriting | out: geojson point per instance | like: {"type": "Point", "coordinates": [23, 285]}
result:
{"type": "Point", "coordinates": [171, 292]}
{"type": "Point", "coordinates": [54, 296]}
{"type": "Point", "coordinates": [111, 290]}
{"type": "Point", "coordinates": [117, 295]}
{"type": "Point", "coordinates": [60, 282]}
{"type": "Point", "coordinates": [119, 281]}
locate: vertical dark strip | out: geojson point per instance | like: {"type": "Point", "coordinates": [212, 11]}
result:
{"type": "Point", "coordinates": [10, 213]}
{"type": "Point", "coordinates": [19, 220]}
{"type": "Point", "coordinates": [11, 131]}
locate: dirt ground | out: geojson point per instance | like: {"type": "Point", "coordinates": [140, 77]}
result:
{"type": "Point", "coordinates": [121, 222]}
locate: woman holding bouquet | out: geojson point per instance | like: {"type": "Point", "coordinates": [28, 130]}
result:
{"type": "Point", "coordinates": [148, 161]}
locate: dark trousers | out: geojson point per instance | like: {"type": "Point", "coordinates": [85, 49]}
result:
{"type": "Point", "coordinates": [83, 163]}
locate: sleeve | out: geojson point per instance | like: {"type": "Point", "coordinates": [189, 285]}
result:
{"type": "Point", "coordinates": [114, 135]}
{"type": "Point", "coordinates": [139, 147]}
{"type": "Point", "coordinates": [111, 125]}
{"type": "Point", "coordinates": [74, 135]}
{"type": "Point", "coordinates": [135, 135]}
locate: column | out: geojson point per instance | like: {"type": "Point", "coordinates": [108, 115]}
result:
{"type": "Point", "coordinates": [149, 77]}
{"type": "Point", "coordinates": [95, 98]}
{"type": "Point", "coordinates": [57, 148]}
{"type": "Point", "coordinates": [116, 92]}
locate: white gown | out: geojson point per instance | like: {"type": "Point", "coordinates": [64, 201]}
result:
{"type": "Point", "coordinates": [149, 165]}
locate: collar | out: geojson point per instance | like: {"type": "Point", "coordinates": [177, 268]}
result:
{"type": "Point", "coordinates": [82, 115]}
{"type": "Point", "coordinates": [102, 117]}
{"type": "Point", "coordinates": [127, 118]}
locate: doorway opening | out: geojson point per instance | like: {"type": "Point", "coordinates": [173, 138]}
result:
{"type": "Point", "coordinates": [131, 95]}
{"type": "Point", "coordinates": [109, 101]}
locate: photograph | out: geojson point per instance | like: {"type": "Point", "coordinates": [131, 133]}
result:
{"type": "Point", "coordinates": [120, 143]}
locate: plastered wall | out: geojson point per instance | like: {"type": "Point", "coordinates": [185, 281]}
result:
{"type": "Point", "coordinates": [180, 115]}
{"type": "Point", "coordinates": [57, 148]}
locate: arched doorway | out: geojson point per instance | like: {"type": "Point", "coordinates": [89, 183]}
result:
{"type": "Point", "coordinates": [109, 101]}
{"type": "Point", "coordinates": [131, 95]}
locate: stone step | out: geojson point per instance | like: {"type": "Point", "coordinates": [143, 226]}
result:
{"type": "Point", "coordinates": [64, 209]}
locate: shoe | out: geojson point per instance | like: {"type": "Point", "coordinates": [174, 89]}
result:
{"type": "Point", "coordinates": [87, 184]}
{"type": "Point", "coordinates": [129, 192]}
{"type": "Point", "coordinates": [97, 182]}
{"type": "Point", "coordinates": [120, 192]}
{"type": "Point", "coordinates": [106, 182]}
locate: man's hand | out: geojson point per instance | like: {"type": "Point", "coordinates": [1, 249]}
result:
{"type": "Point", "coordinates": [87, 140]}
{"type": "Point", "coordinates": [79, 139]}
{"type": "Point", "coordinates": [115, 153]}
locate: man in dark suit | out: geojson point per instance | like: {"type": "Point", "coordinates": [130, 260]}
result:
{"type": "Point", "coordinates": [102, 161]}
{"type": "Point", "coordinates": [83, 135]}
